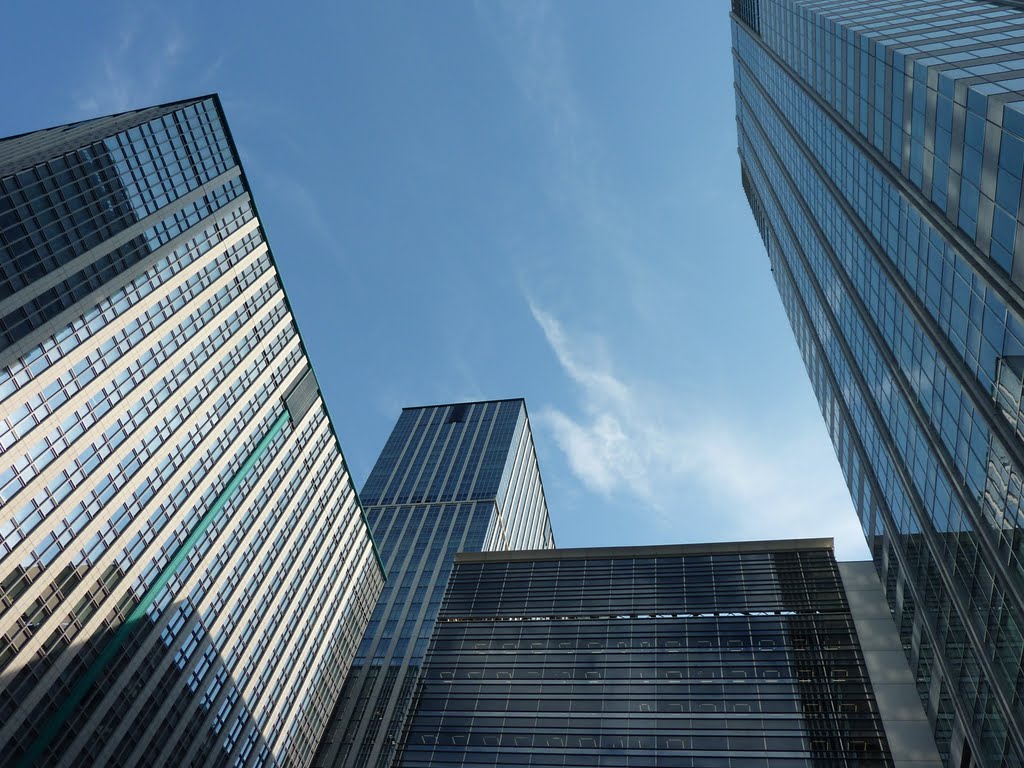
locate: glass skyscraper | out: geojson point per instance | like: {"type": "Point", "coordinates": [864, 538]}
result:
{"type": "Point", "coordinates": [185, 571]}
{"type": "Point", "coordinates": [739, 655]}
{"type": "Point", "coordinates": [882, 150]}
{"type": "Point", "coordinates": [451, 478]}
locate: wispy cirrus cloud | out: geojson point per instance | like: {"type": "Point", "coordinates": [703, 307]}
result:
{"type": "Point", "coordinates": [703, 468]}
{"type": "Point", "coordinates": [705, 472]}
{"type": "Point", "coordinates": [529, 36]}
{"type": "Point", "coordinates": [134, 65]}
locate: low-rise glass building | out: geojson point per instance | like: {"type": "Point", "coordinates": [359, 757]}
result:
{"type": "Point", "coordinates": [752, 655]}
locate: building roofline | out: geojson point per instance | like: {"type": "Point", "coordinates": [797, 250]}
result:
{"type": "Point", "coordinates": [175, 102]}
{"type": "Point", "coordinates": [465, 402]}
{"type": "Point", "coordinates": [656, 550]}
{"type": "Point", "coordinates": [529, 425]}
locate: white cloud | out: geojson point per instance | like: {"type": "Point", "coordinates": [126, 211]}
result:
{"type": "Point", "coordinates": [705, 472]}
{"type": "Point", "coordinates": [703, 468]}
{"type": "Point", "coordinates": [528, 34]}
{"type": "Point", "coordinates": [133, 69]}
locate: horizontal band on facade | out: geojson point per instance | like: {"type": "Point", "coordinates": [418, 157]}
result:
{"type": "Point", "coordinates": [655, 550]}
{"type": "Point", "coordinates": [627, 616]}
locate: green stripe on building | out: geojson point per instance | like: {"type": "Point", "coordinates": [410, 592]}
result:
{"type": "Point", "coordinates": [91, 675]}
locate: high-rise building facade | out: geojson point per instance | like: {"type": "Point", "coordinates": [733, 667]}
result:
{"type": "Point", "coordinates": [744, 654]}
{"type": "Point", "coordinates": [185, 570]}
{"type": "Point", "coordinates": [451, 478]}
{"type": "Point", "coordinates": [882, 151]}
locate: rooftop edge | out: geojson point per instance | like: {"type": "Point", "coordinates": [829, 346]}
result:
{"type": "Point", "coordinates": [655, 550]}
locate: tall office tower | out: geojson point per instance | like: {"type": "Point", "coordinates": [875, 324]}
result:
{"type": "Point", "coordinates": [749, 654]}
{"type": "Point", "coordinates": [451, 478]}
{"type": "Point", "coordinates": [185, 571]}
{"type": "Point", "coordinates": [882, 150]}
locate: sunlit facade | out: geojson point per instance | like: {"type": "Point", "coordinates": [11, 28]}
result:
{"type": "Point", "coordinates": [451, 478]}
{"type": "Point", "coordinates": [185, 570]}
{"type": "Point", "coordinates": [882, 151]}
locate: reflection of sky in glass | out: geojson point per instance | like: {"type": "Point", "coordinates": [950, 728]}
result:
{"type": "Point", "coordinates": [721, 644]}
{"type": "Point", "coordinates": [155, 166]}
{"type": "Point", "coordinates": [884, 145]}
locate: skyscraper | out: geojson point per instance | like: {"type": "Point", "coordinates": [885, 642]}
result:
{"type": "Point", "coordinates": [451, 478]}
{"type": "Point", "coordinates": [185, 570]}
{"type": "Point", "coordinates": [882, 151]}
{"type": "Point", "coordinates": [742, 654]}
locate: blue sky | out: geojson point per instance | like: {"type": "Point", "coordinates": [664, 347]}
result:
{"type": "Point", "coordinates": [484, 200]}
